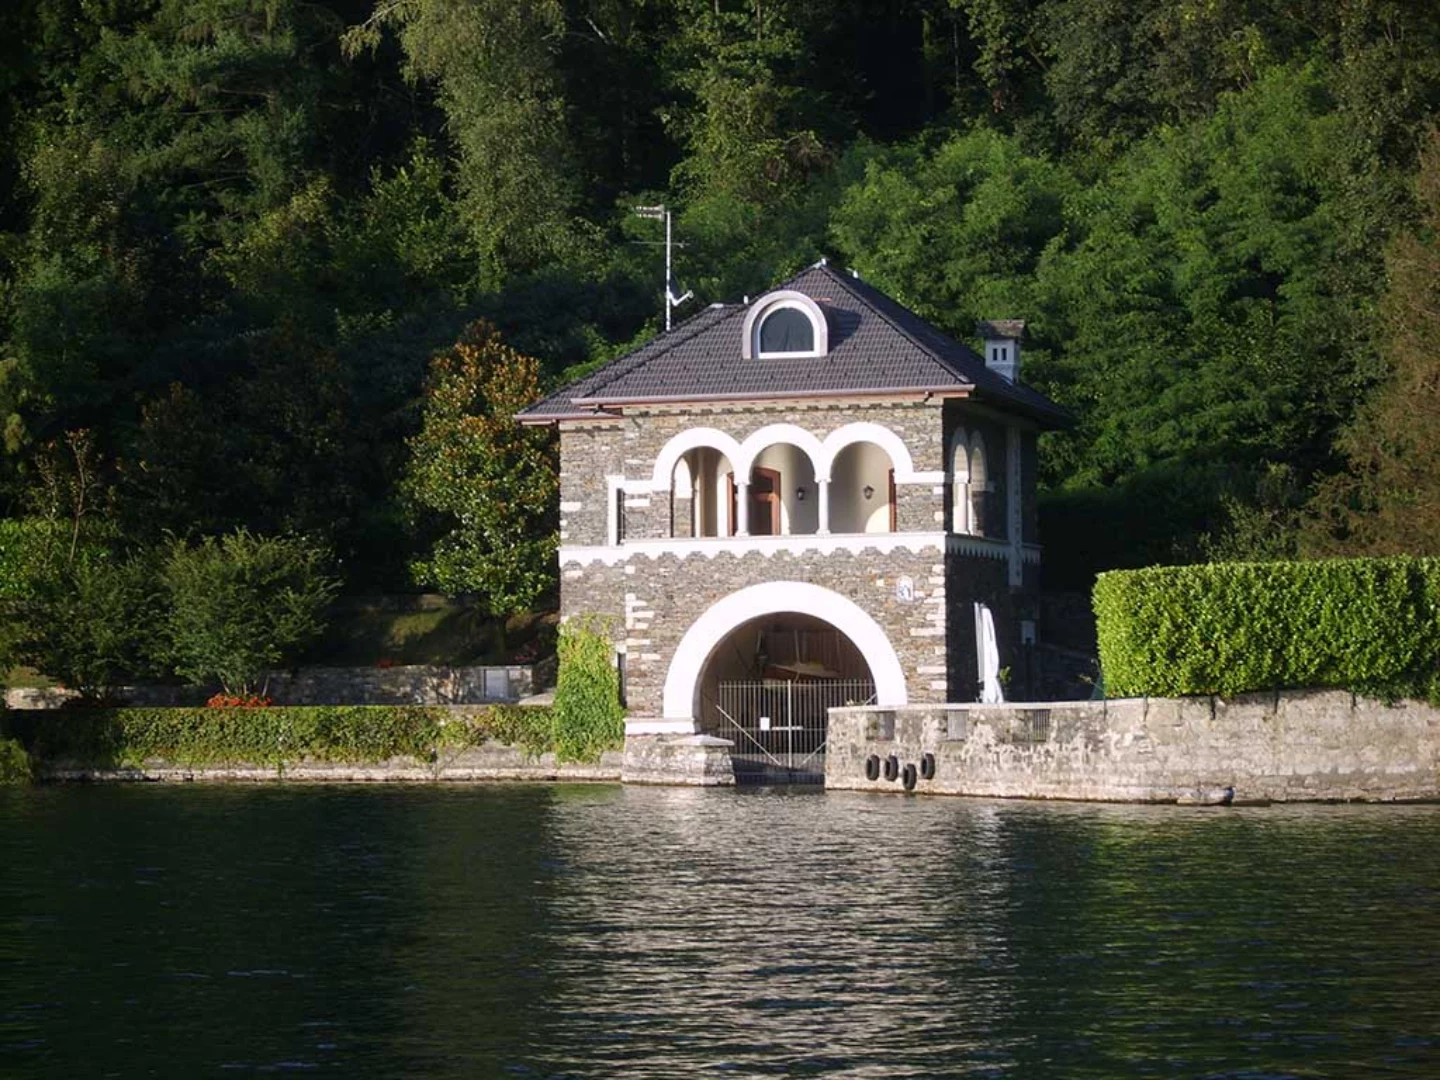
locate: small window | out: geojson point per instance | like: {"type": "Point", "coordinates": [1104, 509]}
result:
{"type": "Point", "coordinates": [787, 330]}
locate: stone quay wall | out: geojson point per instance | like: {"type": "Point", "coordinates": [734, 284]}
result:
{"type": "Point", "coordinates": [489, 763]}
{"type": "Point", "coordinates": [1291, 746]}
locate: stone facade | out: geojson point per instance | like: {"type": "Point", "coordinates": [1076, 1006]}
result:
{"type": "Point", "coordinates": [627, 554]}
{"type": "Point", "coordinates": [1292, 746]}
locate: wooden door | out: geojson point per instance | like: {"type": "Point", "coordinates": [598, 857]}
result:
{"type": "Point", "coordinates": [894, 507]}
{"type": "Point", "coordinates": [765, 502]}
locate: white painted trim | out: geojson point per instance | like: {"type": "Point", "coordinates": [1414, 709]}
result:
{"type": "Point", "coordinates": [742, 455]}
{"type": "Point", "coordinates": [770, 598]}
{"type": "Point", "coordinates": [757, 442]}
{"type": "Point", "coordinates": [790, 298]}
{"type": "Point", "coordinates": [881, 436]}
{"type": "Point", "coordinates": [687, 440]}
{"type": "Point", "coordinates": [659, 727]}
{"type": "Point", "coordinates": [711, 546]}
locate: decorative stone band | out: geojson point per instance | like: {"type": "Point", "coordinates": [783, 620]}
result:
{"type": "Point", "coordinates": [853, 543]}
{"type": "Point", "coordinates": [711, 546]}
{"type": "Point", "coordinates": [984, 548]}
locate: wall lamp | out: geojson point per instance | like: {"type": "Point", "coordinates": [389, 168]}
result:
{"type": "Point", "coordinates": [868, 492]}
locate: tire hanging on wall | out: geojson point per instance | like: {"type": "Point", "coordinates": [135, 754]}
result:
{"type": "Point", "coordinates": [892, 767]}
{"type": "Point", "coordinates": [908, 778]}
{"type": "Point", "coordinates": [927, 767]}
{"type": "Point", "coordinates": [872, 767]}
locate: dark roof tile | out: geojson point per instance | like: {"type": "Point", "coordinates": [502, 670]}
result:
{"type": "Point", "coordinates": [876, 345]}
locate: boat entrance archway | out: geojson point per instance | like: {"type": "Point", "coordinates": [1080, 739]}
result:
{"type": "Point", "coordinates": [763, 667]}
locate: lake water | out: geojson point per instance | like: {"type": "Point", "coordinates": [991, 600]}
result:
{"type": "Point", "coordinates": [610, 932]}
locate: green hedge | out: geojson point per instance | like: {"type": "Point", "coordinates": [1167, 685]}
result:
{"type": "Point", "coordinates": [1368, 625]}
{"type": "Point", "coordinates": [357, 734]}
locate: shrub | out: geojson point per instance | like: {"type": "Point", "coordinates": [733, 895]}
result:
{"type": "Point", "coordinates": [90, 623]}
{"type": "Point", "coordinates": [195, 737]}
{"type": "Point", "coordinates": [242, 604]}
{"type": "Point", "coordinates": [14, 762]}
{"type": "Point", "coordinates": [587, 713]}
{"type": "Point", "coordinates": [1368, 625]}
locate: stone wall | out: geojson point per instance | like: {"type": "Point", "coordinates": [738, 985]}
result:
{"type": "Point", "coordinates": [594, 450]}
{"type": "Point", "coordinates": [490, 762]}
{"type": "Point", "coordinates": [655, 601]}
{"type": "Point", "coordinates": [414, 684]}
{"type": "Point", "coordinates": [1293, 746]}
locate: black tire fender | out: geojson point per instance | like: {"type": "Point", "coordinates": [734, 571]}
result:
{"type": "Point", "coordinates": [927, 767]}
{"type": "Point", "coordinates": [892, 767]}
{"type": "Point", "coordinates": [908, 778]}
{"type": "Point", "coordinates": [872, 767]}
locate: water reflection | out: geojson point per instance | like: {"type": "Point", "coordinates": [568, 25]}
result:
{"type": "Point", "coordinates": [595, 932]}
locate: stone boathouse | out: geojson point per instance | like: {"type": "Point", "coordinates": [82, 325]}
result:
{"type": "Point", "coordinates": [805, 500]}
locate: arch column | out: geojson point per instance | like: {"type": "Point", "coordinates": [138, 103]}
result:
{"type": "Point", "coordinates": [742, 508]}
{"type": "Point", "coordinates": [824, 489]}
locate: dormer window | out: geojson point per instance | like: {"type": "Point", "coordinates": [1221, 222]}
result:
{"type": "Point", "coordinates": [784, 324]}
{"type": "Point", "coordinates": [786, 331]}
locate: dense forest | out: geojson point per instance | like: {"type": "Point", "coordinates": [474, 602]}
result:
{"type": "Point", "coordinates": [233, 233]}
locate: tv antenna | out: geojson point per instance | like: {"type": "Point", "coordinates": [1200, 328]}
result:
{"type": "Point", "coordinates": [662, 213]}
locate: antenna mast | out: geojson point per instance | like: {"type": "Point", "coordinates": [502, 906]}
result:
{"type": "Point", "coordinates": [662, 213]}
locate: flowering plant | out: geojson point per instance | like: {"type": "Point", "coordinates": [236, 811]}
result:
{"type": "Point", "coordinates": [232, 701]}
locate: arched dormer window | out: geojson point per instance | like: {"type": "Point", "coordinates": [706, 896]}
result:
{"type": "Point", "coordinates": [785, 324]}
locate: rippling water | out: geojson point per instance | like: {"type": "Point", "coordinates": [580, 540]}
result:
{"type": "Point", "coordinates": [604, 931]}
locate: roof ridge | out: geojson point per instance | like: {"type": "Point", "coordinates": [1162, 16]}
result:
{"type": "Point", "coordinates": [645, 354]}
{"type": "Point", "coordinates": [902, 331]}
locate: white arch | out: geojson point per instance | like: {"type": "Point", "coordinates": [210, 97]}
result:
{"type": "Point", "coordinates": [959, 466]}
{"type": "Point", "coordinates": [772, 434]}
{"type": "Point", "coordinates": [679, 445]}
{"type": "Point", "coordinates": [772, 598]}
{"type": "Point", "coordinates": [750, 348]}
{"type": "Point", "coordinates": [866, 431]}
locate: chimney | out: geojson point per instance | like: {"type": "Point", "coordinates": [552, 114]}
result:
{"type": "Point", "coordinates": [1001, 339]}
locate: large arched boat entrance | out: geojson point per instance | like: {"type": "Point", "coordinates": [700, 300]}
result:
{"type": "Point", "coordinates": [763, 667]}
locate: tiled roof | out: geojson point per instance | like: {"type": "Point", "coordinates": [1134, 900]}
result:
{"type": "Point", "coordinates": [876, 346]}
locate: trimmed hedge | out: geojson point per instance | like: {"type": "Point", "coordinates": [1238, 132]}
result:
{"type": "Point", "coordinates": [276, 736]}
{"type": "Point", "coordinates": [1367, 625]}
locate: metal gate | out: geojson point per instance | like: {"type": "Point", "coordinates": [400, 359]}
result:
{"type": "Point", "coordinates": [778, 726]}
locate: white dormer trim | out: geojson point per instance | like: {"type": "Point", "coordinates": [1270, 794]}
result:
{"type": "Point", "coordinates": [774, 301]}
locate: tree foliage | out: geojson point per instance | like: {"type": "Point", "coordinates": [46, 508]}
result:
{"type": "Point", "coordinates": [232, 232]}
{"type": "Point", "coordinates": [241, 605]}
{"type": "Point", "coordinates": [1387, 500]}
{"type": "Point", "coordinates": [486, 485]}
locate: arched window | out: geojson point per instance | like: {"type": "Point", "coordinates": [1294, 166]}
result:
{"type": "Point", "coordinates": [785, 323]}
{"type": "Point", "coordinates": [960, 483]}
{"type": "Point", "coordinates": [979, 487]}
{"type": "Point", "coordinates": [786, 330]}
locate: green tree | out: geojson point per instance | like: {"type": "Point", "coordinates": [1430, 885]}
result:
{"type": "Point", "coordinates": [90, 622]}
{"type": "Point", "coordinates": [1387, 500]}
{"type": "Point", "coordinates": [242, 604]}
{"type": "Point", "coordinates": [494, 66]}
{"type": "Point", "coordinates": [482, 484]}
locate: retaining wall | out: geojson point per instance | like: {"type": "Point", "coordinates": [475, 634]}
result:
{"type": "Point", "coordinates": [1292, 746]}
{"type": "Point", "coordinates": [490, 762]}
{"type": "Point", "coordinates": [412, 684]}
